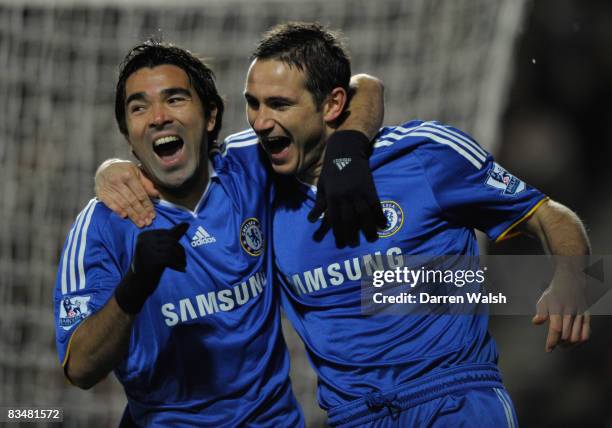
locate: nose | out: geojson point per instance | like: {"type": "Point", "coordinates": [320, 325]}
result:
{"type": "Point", "coordinates": [262, 122]}
{"type": "Point", "coordinates": [159, 116]}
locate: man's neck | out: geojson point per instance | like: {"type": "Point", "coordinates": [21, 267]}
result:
{"type": "Point", "coordinates": [311, 174]}
{"type": "Point", "coordinates": [190, 197]}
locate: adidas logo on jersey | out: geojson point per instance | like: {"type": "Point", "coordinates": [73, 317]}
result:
{"type": "Point", "coordinates": [202, 237]}
{"type": "Point", "coordinates": [341, 163]}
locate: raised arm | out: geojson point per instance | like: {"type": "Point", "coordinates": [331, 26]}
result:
{"type": "Point", "coordinates": [562, 234]}
{"type": "Point", "coordinates": [366, 109]}
{"type": "Point", "coordinates": [126, 190]}
{"type": "Point", "coordinates": [348, 196]}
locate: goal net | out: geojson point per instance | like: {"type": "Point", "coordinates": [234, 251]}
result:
{"type": "Point", "coordinates": [439, 59]}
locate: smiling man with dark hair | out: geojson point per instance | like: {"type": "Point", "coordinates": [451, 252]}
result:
{"type": "Point", "coordinates": [183, 312]}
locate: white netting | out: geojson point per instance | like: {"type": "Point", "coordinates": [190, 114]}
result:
{"type": "Point", "coordinates": [439, 59]}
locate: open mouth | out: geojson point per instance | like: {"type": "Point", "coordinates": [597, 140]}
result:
{"type": "Point", "coordinates": [167, 146]}
{"type": "Point", "coordinates": [275, 145]}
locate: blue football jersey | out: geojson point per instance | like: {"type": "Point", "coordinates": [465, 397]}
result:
{"type": "Point", "coordinates": [207, 347]}
{"type": "Point", "coordinates": [436, 186]}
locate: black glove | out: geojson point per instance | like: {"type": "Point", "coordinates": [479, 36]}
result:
{"type": "Point", "coordinates": [346, 190]}
{"type": "Point", "coordinates": [155, 250]}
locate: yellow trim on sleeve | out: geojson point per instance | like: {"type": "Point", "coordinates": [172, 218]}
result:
{"type": "Point", "coordinates": [507, 234]}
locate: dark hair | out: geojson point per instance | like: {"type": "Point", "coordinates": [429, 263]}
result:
{"type": "Point", "coordinates": [313, 49]}
{"type": "Point", "coordinates": [153, 53]}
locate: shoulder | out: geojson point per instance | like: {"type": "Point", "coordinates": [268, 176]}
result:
{"type": "Point", "coordinates": [240, 153]}
{"type": "Point", "coordinates": [95, 216]}
{"type": "Point", "coordinates": [240, 144]}
{"type": "Point", "coordinates": [96, 221]}
{"type": "Point", "coordinates": [430, 141]}
{"type": "Point", "coordinates": [95, 245]}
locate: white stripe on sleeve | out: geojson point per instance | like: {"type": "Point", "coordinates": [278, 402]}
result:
{"type": "Point", "coordinates": [72, 245]}
{"type": "Point", "coordinates": [458, 148]}
{"type": "Point", "coordinates": [83, 245]}
{"type": "Point", "coordinates": [478, 153]}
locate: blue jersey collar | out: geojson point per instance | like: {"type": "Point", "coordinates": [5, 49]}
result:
{"type": "Point", "coordinates": [309, 189]}
{"type": "Point", "coordinates": [212, 174]}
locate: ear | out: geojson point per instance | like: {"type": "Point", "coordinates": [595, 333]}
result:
{"type": "Point", "coordinates": [212, 119]}
{"type": "Point", "coordinates": [334, 105]}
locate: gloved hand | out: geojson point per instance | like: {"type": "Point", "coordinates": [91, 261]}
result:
{"type": "Point", "coordinates": [155, 250]}
{"type": "Point", "coordinates": [346, 191]}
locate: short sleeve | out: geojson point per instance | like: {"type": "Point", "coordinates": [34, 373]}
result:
{"type": "Point", "coordinates": [87, 274]}
{"type": "Point", "coordinates": [471, 188]}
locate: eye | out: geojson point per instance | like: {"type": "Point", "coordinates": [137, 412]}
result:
{"type": "Point", "coordinates": [252, 102]}
{"type": "Point", "coordinates": [136, 108]}
{"type": "Point", "coordinates": [176, 99]}
{"type": "Point", "coordinates": [279, 104]}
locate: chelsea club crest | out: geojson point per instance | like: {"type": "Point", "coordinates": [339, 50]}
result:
{"type": "Point", "coordinates": [395, 218]}
{"type": "Point", "coordinates": [251, 236]}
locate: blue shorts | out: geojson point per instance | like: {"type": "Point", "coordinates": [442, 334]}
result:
{"type": "Point", "coordinates": [465, 396]}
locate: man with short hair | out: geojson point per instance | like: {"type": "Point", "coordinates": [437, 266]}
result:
{"type": "Point", "coordinates": [437, 185]}
{"type": "Point", "coordinates": [184, 312]}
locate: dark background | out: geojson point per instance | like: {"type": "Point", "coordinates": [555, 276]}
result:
{"type": "Point", "coordinates": [557, 135]}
